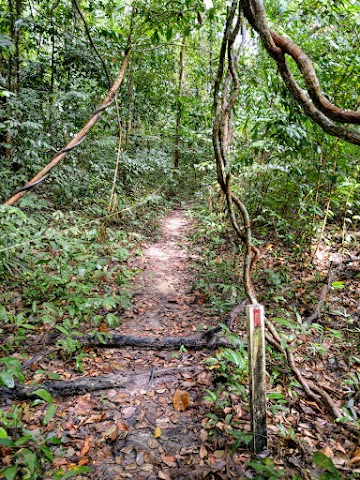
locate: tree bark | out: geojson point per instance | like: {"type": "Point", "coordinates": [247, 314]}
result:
{"type": "Point", "coordinates": [179, 106]}
{"type": "Point", "coordinates": [156, 343]}
{"type": "Point", "coordinates": [80, 386]}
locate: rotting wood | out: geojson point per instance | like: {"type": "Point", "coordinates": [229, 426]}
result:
{"type": "Point", "coordinates": [207, 340]}
{"type": "Point", "coordinates": [80, 386]}
{"type": "Point", "coordinates": [155, 343]}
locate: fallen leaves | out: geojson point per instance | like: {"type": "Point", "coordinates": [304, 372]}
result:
{"type": "Point", "coordinates": [169, 460]}
{"type": "Point", "coordinates": [181, 400]}
{"type": "Point", "coordinates": [111, 433]}
{"type": "Point", "coordinates": [85, 448]}
{"type": "Point", "coordinates": [128, 412]}
{"type": "Point", "coordinates": [356, 458]}
{"type": "Point", "coordinates": [157, 432]}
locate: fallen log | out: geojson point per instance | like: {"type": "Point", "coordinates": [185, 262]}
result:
{"type": "Point", "coordinates": [154, 343]}
{"type": "Point", "coordinates": [80, 386]}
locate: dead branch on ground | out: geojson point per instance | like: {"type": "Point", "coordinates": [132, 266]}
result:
{"type": "Point", "coordinates": [80, 386]}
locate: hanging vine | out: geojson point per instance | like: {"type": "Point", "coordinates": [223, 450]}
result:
{"type": "Point", "coordinates": [225, 94]}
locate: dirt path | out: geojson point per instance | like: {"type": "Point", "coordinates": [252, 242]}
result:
{"type": "Point", "coordinates": [164, 302]}
{"type": "Point", "coordinates": [137, 433]}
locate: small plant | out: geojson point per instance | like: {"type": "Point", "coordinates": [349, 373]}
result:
{"type": "Point", "coordinates": [25, 452]}
{"type": "Point", "coordinates": [11, 371]}
{"type": "Point", "coordinates": [330, 471]}
{"type": "Point", "coordinates": [265, 469]}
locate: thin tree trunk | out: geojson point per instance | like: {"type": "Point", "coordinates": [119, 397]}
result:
{"type": "Point", "coordinates": [327, 204]}
{"type": "Point", "coordinates": [179, 106]}
{"type": "Point", "coordinates": [52, 78]}
{"type": "Point", "coordinates": [9, 85]}
{"type": "Point", "coordinates": [128, 116]}
{"type": "Point", "coordinates": [19, 7]}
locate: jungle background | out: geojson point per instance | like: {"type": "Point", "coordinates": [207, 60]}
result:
{"type": "Point", "coordinates": [71, 244]}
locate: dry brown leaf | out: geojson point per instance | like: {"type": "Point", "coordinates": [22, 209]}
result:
{"type": "Point", "coordinates": [163, 476]}
{"type": "Point", "coordinates": [83, 461]}
{"type": "Point", "coordinates": [103, 327]}
{"type": "Point", "coordinates": [128, 412]}
{"type": "Point", "coordinates": [85, 448]}
{"type": "Point", "coordinates": [111, 433]}
{"type": "Point", "coordinates": [169, 460]}
{"type": "Point", "coordinates": [157, 432]}
{"type": "Point", "coordinates": [59, 462]}
{"type": "Point", "coordinates": [122, 426]}
{"type": "Point", "coordinates": [355, 458]}
{"type": "Point", "coordinates": [340, 448]}
{"type": "Point", "coordinates": [238, 410]}
{"type": "Point", "coordinates": [97, 417]}
{"type": "Point", "coordinates": [181, 400]}
{"type": "Point", "coordinates": [203, 452]}
{"type": "Point", "coordinates": [328, 452]}
{"type": "Point", "coordinates": [203, 435]}
{"type": "Point", "coordinates": [147, 467]}
{"type": "Point", "coordinates": [153, 443]}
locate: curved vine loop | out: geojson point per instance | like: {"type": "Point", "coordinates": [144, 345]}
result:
{"type": "Point", "coordinates": [313, 101]}
{"type": "Point", "coordinates": [225, 94]}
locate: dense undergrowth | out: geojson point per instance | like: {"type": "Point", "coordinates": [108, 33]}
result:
{"type": "Point", "coordinates": [288, 281]}
{"type": "Point", "coordinates": [73, 274]}
{"type": "Point", "coordinates": [69, 275]}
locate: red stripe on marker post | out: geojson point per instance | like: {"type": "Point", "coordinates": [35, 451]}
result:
{"type": "Point", "coordinates": [257, 317]}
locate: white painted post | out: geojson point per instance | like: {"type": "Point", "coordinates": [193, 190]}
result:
{"type": "Point", "coordinates": [257, 374]}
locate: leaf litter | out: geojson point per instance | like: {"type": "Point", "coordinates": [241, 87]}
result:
{"type": "Point", "coordinates": [161, 428]}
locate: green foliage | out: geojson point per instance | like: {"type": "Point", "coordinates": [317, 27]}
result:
{"type": "Point", "coordinates": [265, 469]}
{"type": "Point", "coordinates": [11, 371]}
{"type": "Point", "coordinates": [230, 371]}
{"type": "Point", "coordinates": [30, 451]}
{"type": "Point", "coordinates": [330, 471]}
{"type": "Point", "coordinates": [66, 257]}
{"type": "Point", "coordinates": [15, 229]}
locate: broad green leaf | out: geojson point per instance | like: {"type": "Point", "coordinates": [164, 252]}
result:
{"type": "Point", "coordinates": [8, 442]}
{"type": "Point", "coordinates": [47, 452]}
{"type": "Point", "coordinates": [71, 473]}
{"type": "Point", "coordinates": [49, 413]}
{"type": "Point", "coordinates": [326, 463]}
{"type": "Point", "coordinates": [7, 379]}
{"type": "Point", "coordinates": [30, 460]}
{"type": "Point", "coordinates": [10, 472]}
{"type": "Point", "coordinates": [44, 394]}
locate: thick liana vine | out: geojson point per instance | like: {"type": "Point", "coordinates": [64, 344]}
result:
{"type": "Point", "coordinates": [225, 94]}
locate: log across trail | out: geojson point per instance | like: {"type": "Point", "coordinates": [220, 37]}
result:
{"type": "Point", "coordinates": [138, 411]}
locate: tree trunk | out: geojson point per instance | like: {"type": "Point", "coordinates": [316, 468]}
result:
{"type": "Point", "coordinates": [179, 106]}
{"type": "Point", "coordinates": [19, 7]}
{"type": "Point", "coordinates": [128, 114]}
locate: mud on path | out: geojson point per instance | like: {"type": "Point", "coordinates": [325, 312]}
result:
{"type": "Point", "coordinates": [136, 432]}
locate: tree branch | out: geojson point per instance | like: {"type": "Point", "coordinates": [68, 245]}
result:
{"type": "Point", "coordinates": [92, 42]}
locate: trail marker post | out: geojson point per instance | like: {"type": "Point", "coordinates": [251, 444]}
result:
{"type": "Point", "coordinates": [257, 374]}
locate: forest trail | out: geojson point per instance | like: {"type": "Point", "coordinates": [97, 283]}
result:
{"type": "Point", "coordinates": [164, 303]}
{"type": "Point", "coordinates": [136, 432]}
